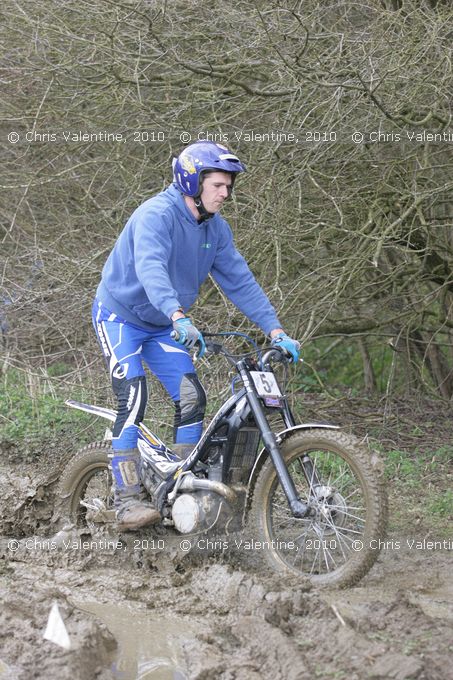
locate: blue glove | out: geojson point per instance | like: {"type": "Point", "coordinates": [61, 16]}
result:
{"type": "Point", "coordinates": [289, 345]}
{"type": "Point", "coordinates": [188, 335]}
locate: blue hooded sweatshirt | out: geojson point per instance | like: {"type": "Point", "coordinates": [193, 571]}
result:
{"type": "Point", "coordinates": [162, 257]}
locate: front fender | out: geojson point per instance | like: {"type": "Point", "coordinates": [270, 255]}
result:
{"type": "Point", "coordinates": [281, 436]}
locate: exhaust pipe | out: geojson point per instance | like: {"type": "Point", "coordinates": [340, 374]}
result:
{"type": "Point", "coordinates": [192, 483]}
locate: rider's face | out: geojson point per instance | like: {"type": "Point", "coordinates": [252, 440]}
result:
{"type": "Point", "coordinates": [216, 189]}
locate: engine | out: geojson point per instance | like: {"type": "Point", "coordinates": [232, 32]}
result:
{"type": "Point", "coordinates": [200, 511]}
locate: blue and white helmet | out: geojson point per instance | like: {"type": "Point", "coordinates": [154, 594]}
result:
{"type": "Point", "coordinates": [198, 158]}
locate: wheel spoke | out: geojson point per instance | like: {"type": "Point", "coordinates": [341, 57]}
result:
{"type": "Point", "coordinates": [95, 485]}
{"type": "Point", "coordinates": [324, 541]}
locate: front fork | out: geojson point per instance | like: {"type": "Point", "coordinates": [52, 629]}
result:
{"type": "Point", "coordinates": [297, 506]}
{"type": "Point", "coordinates": [306, 463]}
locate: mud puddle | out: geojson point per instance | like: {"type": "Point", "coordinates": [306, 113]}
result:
{"type": "Point", "coordinates": [149, 647]}
{"type": "Point", "coordinates": [175, 619]}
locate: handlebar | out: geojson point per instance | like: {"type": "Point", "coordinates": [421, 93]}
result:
{"type": "Point", "coordinates": [273, 354]}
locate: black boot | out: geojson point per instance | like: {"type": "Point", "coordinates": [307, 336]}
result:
{"type": "Point", "coordinates": [132, 509]}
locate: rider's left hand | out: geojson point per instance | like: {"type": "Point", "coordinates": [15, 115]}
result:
{"type": "Point", "coordinates": [286, 343]}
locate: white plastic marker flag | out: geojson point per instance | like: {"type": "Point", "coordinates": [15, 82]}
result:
{"type": "Point", "coordinates": [56, 630]}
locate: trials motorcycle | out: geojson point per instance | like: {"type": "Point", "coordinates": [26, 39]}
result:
{"type": "Point", "coordinates": [312, 496]}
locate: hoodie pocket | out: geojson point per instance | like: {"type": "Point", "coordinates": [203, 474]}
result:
{"type": "Point", "coordinates": [150, 314]}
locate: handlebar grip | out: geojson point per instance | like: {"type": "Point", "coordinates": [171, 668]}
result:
{"type": "Point", "coordinates": [283, 356]}
{"type": "Point", "coordinates": [276, 354]}
{"type": "Point", "coordinates": [175, 335]}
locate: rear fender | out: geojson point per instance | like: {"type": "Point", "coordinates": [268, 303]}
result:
{"type": "Point", "coordinates": [107, 413]}
{"type": "Point", "coordinates": [100, 411]}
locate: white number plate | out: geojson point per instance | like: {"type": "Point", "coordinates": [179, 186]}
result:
{"type": "Point", "coordinates": [266, 384]}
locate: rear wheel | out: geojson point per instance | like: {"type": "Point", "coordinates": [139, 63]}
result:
{"type": "Point", "coordinates": [340, 542]}
{"type": "Point", "coordinates": [86, 491]}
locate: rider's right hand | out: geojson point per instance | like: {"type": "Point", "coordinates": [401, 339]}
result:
{"type": "Point", "coordinates": [188, 335]}
{"type": "Point", "coordinates": [290, 346]}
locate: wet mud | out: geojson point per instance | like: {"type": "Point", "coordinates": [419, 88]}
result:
{"type": "Point", "coordinates": [161, 613]}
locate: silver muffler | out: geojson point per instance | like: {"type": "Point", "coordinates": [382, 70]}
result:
{"type": "Point", "coordinates": [205, 504]}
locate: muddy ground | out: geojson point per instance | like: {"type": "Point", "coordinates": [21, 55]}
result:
{"type": "Point", "coordinates": [150, 611]}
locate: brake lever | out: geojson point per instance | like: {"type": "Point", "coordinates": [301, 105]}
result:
{"type": "Point", "coordinates": [210, 346]}
{"type": "Point", "coordinates": [275, 354]}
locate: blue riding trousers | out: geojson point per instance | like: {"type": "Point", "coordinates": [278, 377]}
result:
{"type": "Point", "coordinates": [125, 348]}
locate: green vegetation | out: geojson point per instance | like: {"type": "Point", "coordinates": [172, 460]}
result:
{"type": "Point", "coordinates": [417, 468]}
{"type": "Point", "coordinates": [420, 488]}
{"type": "Point", "coordinates": [441, 504]}
{"type": "Point", "coordinates": [329, 366]}
{"type": "Point", "coordinates": [33, 413]}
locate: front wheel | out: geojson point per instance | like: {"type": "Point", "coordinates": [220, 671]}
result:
{"type": "Point", "coordinates": [342, 481]}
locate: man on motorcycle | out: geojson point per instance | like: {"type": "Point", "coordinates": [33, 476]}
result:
{"type": "Point", "coordinates": [151, 278]}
